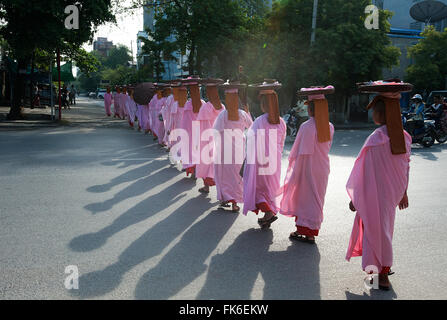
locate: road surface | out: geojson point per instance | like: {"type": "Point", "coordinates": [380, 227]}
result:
{"type": "Point", "coordinates": [100, 196]}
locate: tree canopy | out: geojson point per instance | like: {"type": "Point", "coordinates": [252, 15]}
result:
{"type": "Point", "coordinates": [36, 24]}
{"type": "Point", "coordinates": [429, 68]}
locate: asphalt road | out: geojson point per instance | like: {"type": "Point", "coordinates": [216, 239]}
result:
{"type": "Point", "coordinates": [103, 197]}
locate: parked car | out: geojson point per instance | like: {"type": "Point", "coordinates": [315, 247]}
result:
{"type": "Point", "coordinates": [101, 93]}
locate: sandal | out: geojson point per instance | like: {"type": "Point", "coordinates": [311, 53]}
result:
{"type": "Point", "coordinates": [203, 190]}
{"type": "Point", "coordinates": [265, 224]}
{"type": "Point", "coordinates": [300, 237]}
{"type": "Point", "coordinates": [224, 205]}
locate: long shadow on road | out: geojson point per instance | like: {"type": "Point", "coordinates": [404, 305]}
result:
{"type": "Point", "coordinates": [137, 188]}
{"type": "Point", "coordinates": [289, 274]}
{"type": "Point", "coordinates": [186, 260]}
{"type": "Point", "coordinates": [149, 245]}
{"type": "Point", "coordinates": [140, 212]}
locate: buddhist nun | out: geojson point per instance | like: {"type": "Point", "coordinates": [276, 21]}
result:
{"type": "Point", "coordinates": [229, 152]}
{"type": "Point", "coordinates": [206, 117]}
{"type": "Point", "coordinates": [108, 100]}
{"type": "Point", "coordinates": [123, 100]}
{"type": "Point", "coordinates": [189, 122]}
{"type": "Point", "coordinates": [304, 188]}
{"type": "Point", "coordinates": [116, 102]}
{"type": "Point", "coordinates": [379, 180]}
{"type": "Point", "coordinates": [265, 143]}
{"type": "Point", "coordinates": [152, 110]}
{"type": "Point", "coordinates": [180, 93]}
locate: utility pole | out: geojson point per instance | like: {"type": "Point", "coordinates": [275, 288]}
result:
{"type": "Point", "coordinates": [131, 50]}
{"type": "Point", "coordinates": [314, 22]}
{"type": "Point", "coordinates": [59, 81]}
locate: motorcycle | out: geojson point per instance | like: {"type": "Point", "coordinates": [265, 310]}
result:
{"type": "Point", "coordinates": [293, 122]}
{"type": "Point", "coordinates": [440, 131]}
{"type": "Point", "coordinates": [423, 134]}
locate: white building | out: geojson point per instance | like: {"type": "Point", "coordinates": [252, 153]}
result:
{"type": "Point", "coordinates": [172, 68]}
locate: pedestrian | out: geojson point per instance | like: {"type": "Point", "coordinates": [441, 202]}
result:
{"type": "Point", "coordinates": [72, 95]}
{"type": "Point", "coordinates": [265, 143]}
{"type": "Point", "coordinates": [167, 114]}
{"type": "Point", "coordinates": [207, 117]}
{"type": "Point", "coordinates": [180, 98]}
{"type": "Point", "coordinates": [123, 99]}
{"type": "Point", "coordinates": [307, 175]}
{"type": "Point", "coordinates": [190, 113]}
{"type": "Point", "coordinates": [116, 102]}
{"type": "Point", "coordinates": [65, 97]}
{"type": "Point", "coordinates": [378, 182]}
{"type": "Point", "coordinates": [230, 148]}
{"type": "Point", "coordinates": [36, 101]}
{"type": "Point", "coordinates": [108, 99]}
{"type": "Point", "coordinates": [159, 121]}
{"type": "Point", "coordinates": [152, 109]}
{"type": "Point", "coordinates": [131, 106]}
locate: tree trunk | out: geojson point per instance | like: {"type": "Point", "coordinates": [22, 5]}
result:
{"type": "Point", "coordinates": [15, 113]}
{"type": "Point", "coordinates": [192, 54]}
{"type": "Point", "coordinates": [31, 87]}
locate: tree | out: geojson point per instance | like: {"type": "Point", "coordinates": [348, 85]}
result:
{"type": "Point", "coordinates": [209, 32]}
{"type": "Point", "coordinates": [344, 53]}
{"type": "Point", "coordinates": [38, 24]}
{"type": "Point", "coordinates": [429, 70]}
{"type": "Point", "coordinates": [158, 47]}
{"type": "Point", "coordinates": [118, 56]}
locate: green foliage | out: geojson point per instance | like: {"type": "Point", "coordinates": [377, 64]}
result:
{"type": "Point", "coordinates": [345, 52]}
{"type": "Point", "coordinates": [32, 24]}
{"type": "Point", "coordinates": [211, 32]}
{"type": "Point", "coordinates": [36, 24]}
{"type": "Point", "coordinates": [429, 70]}
{"type": "Point", "coordinates": [157, 47]}
{"type": "Point", "coordinates": [113, 68]}
{"type": "Point", "coordinates": [118, 56]}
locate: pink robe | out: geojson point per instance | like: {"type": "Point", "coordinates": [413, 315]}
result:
{"type": "Point", "coordinates": [123, 98]}
{"type": "Point", "coordinates": [176, 120]}
{"type": "Point", "coordinates": [108, 99]}
{"type": "Point", "coordinates": [376, 186]}
{"type": "Point", "coordinates": [228, 180]}
{"type": "Point", "coordinates": [116, 103]}
{"type": "Point", "coordinates": [207, 116]}
{"type": "Point", "coordinates": [307, 176]}
{"type": "Point", "coordinates": [139, 115]}
{"type": "Point", "coordinates": [186, 124]}
{"type": "Point", "coordinates": [166, 114]}
{"type": "Point", "coordinates": [131, 108]}
{"type": "Point", "coordinates": [145, 125]}
{"type": "Point", "coordinates": [159, 127]}
{"type": "Point", "coordinates": [152, 106]}
{"type": "Point", "coordinates": [262, 187]}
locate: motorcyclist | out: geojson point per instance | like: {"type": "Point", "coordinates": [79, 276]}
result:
{"type": "Point", "coordinates": [416, 114]}
{"type": "Point", "coordinates": [436, 110]}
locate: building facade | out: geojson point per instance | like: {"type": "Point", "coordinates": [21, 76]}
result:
{"type": "Point", "coordinates": [173, 68]}
{"type": "Point", "coordinates": [103, 46]}
{"type": "Point", "coordinates": [404, 33]}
